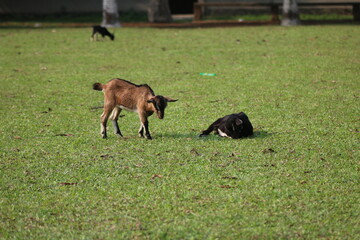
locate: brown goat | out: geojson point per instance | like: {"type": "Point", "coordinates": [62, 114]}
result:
{"type": "Point", "coordinates": [121, 94]}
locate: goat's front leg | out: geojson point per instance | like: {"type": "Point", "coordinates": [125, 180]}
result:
{"type": "Point", "coordinates": [147, 133]}
{"type": "Point", "coordinates": [144, 126]}
{"type": "Point", "coordinates": [114, 118]}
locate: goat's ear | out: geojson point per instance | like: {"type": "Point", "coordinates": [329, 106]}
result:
{"type": "Point", "coordinates": [151, 100]}
{"type": "Point", "coordinates": [170, 99]}
{"type": "Point", "coordinates": [238, 122]}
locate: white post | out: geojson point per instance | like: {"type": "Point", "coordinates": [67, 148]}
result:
{"type": "Point", "coordinates": [110, 14]}
{"type": "Point", "coordinates": [290, 13]}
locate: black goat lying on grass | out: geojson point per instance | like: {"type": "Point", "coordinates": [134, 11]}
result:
{"type": "Point", "coordinates": [234, 126]}
{"type": "Point", "coordinates": [101, 30]}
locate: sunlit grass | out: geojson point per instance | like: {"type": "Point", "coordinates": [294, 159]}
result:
{"type": "Point", "coordinates": [296, 178]}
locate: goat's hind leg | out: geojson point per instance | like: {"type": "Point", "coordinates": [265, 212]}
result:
{"type": "Point", "coordinates": [114, 118]}
{"type": "Point", "coordinates": [207, 131]}
{"type": "Point", "coordinates": [104, 118]}
{"type": "Point", "coordinates": [213, 127]}
{"type": "Point", "coordinates": [93, 35]}
{"type": "Point", "coordinates": [141, 131]}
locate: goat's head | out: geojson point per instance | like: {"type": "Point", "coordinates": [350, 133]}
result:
{"type": "Point", "coordinates": [160, 104]}
{"type": "Point", "coordinates": [234, 124]}
{"type": "Point", "coordinates": [237, 124]}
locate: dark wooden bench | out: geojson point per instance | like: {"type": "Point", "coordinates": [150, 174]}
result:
{"type": "Point", "coordinates": [355, 6]}
{"type": "Point", "coordinates": [274, 7]}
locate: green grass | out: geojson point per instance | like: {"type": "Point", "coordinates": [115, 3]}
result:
{"type": "Point", "coordinates": [297, 178]}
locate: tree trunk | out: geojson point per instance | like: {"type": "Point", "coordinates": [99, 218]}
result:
{"type": "Point", "coordinates": [110, 14]}
{"type": "Point", "coordinates": [290, 13]}
{"type": "Point", "coordinates": [159, 11]}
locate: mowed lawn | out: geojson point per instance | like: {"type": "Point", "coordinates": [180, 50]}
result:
{"type": "Point", "coordinates": [296, 178]}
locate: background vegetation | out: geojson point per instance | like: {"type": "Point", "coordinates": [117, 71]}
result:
{"type": "Point", "coordinates": [298, 177]}
{"type": "Point", "coordinates": [89, 19]}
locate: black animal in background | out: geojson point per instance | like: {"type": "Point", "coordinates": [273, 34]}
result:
{"type": "Point", "coordinates": [234, 126]}
{"type": "Point", "coordinates": [102, 31]}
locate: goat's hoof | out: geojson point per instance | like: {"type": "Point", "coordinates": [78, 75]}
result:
{"type": "Point", "coordinates": [104, 137]}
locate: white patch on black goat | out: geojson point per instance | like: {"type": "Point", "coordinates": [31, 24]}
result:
{"type": "Point", "coordinates": [222, 134]}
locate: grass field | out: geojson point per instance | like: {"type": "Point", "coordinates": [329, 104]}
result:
{"type": "Point", "coordinates": [297, 178]}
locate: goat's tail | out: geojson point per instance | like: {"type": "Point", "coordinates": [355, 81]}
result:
{"type": "Point", "coordinates": [97, 86]}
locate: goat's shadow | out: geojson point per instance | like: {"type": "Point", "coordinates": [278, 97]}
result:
{"type": "Point", "coordinates": [195, 135]}
{"type": "Point", "coordinates": [261, 134]}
